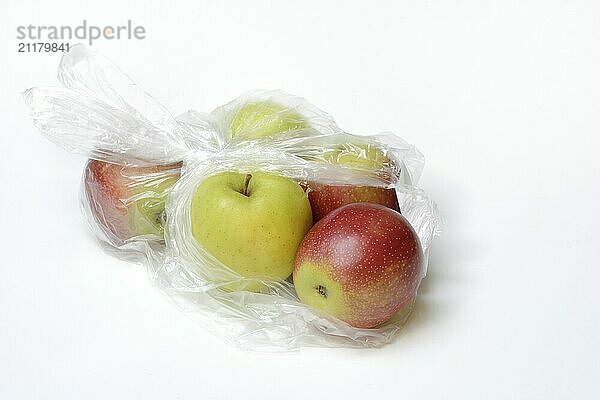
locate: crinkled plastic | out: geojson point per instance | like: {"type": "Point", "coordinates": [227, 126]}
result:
{"type": "Point", "coordinates": [145, 166]}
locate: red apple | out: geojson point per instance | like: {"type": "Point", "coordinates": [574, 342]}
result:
{"type": "Point", "coordinates": [362, 263]}
{"type": "Point", "coordinates": [128, 201]}
{"type": "Point", "coordinates": [326, 198]}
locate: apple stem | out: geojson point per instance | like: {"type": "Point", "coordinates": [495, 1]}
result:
{"type": "Point", "coordinates": [246, 184]}
{"type": "Point", "coordinates": [161, 218]}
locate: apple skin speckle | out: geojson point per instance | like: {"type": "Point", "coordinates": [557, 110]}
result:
{"type": "Point", "coordinates": [368, 252]}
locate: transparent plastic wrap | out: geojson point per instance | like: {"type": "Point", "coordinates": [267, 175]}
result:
{"type": "Point", "coordinates": [145, 169]}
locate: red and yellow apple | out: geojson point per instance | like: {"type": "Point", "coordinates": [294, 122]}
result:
{"type": "Point", "coordinates": [128, 201]}
{"type": "Point", "coordinates": [326, 198]}
{"type": "Point", "coordinates": [362, 263]}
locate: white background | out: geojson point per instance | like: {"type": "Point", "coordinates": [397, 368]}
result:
{"type": "Point", "coordinates": [503, 98]}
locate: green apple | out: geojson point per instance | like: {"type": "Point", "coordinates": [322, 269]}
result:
{"type": "Point", "coordinates": [358, 156]}
{"type": "Point", "coordinates": [259, 119]}
{"type": "Point", "coordinates": [253, 223]}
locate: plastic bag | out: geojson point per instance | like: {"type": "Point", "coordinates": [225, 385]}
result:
{"type": "Point", "coordinates": [145, 166]}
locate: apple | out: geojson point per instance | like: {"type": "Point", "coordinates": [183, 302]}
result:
{"type": "Point", "coordinates": [259, 119]}
{"type": "Point", "coordinates": [326, 198]}
{"type": "Point", "coordinates": [128, 201]}
{"type": "Point", "coordinates": [362, 263]}
{"type": "Point", "coordinates": [252, 223]}
{"type": "Point", "coordinates": [358, 156]}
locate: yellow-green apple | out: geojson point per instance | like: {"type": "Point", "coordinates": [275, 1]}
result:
{"type": "Point", "coordinates": [128, 201]}
{"type": "Point", "coordinates": [326, 198]}
{"type": "Point", "coordinates": [252, 223]}
{"type": "Point", "coordinates": [358, 156]}
{"type": "Point", "coordinates": [259, 119]}
{"type": "Point", "coordinates": [362, 263]}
